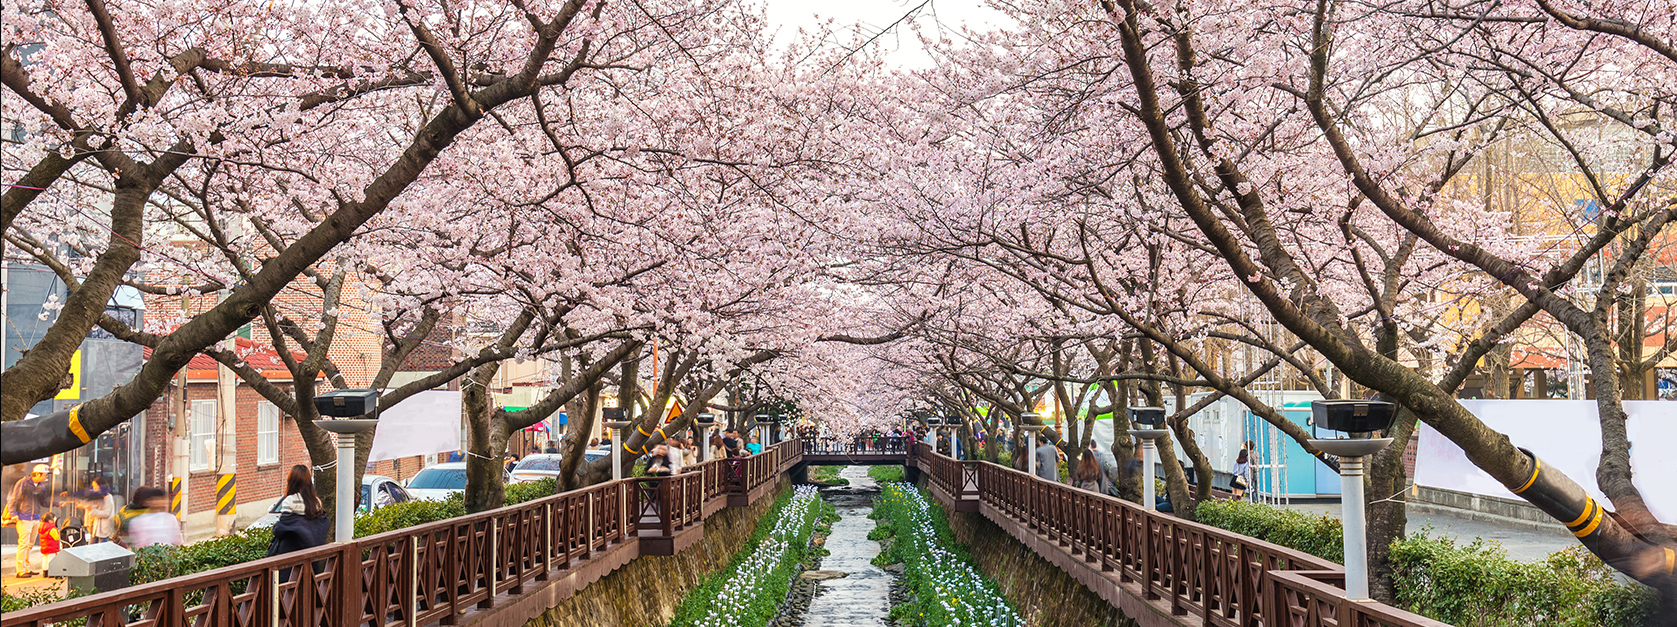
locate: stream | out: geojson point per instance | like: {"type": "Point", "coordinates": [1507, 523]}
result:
{"type": "Point", "coordinates": [861, 598]}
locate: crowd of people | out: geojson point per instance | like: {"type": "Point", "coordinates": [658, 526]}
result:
{"type": "Point", "coordinates": [144, 521]}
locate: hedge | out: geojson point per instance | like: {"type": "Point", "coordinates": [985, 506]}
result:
{"type": "Point", "coordinates": [1320, 536]}
{"type": "Point", "coordinates": [1468, 585]}
{"type": "Point", "coordinates": [1476, 585]}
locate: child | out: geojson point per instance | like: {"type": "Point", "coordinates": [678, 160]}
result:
{"type": "Point", "coordinates": [49, 541]}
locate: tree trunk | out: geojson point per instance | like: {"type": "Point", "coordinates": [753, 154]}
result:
{"type": "Point", "coordinates": [1387, 519]}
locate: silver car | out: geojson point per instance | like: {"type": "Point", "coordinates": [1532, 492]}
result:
{"type": "Point", "coordinates": [538, 466]}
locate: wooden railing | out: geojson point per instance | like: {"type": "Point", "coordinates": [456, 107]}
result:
{"type": "Point", "coordinates": [430, 573]}
{"type": "Point", "coordinates": [1203, 574]}
{"type": "Point", "coordinates": [860, 445]}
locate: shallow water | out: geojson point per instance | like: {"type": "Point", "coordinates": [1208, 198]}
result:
{"type": "Point", "coordinates": [862, 598]}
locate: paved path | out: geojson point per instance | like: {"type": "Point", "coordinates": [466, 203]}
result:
{"type": "Point", "coordinates": [1522, 543]}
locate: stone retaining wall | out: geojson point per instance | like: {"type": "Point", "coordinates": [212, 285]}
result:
{"type": "Point", "coordinates": [1044, 594]}
{"type": "Point", "coordinates": [646, 591]}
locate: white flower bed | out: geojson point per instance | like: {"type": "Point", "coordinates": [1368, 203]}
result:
{"type": "Point", "coordinates": [949, 590]}
{"type": "Point", "coordinates": [751, 592]}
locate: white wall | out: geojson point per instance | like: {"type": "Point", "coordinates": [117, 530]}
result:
{"type": "Point", "coordinates": [1566, 435]}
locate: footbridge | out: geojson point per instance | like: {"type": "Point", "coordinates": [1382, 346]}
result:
{"type": "Point", "coordinates": [507, 566]}
{"type": "Point", "coordinates": [860, 451]}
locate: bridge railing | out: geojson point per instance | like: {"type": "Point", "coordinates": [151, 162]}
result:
{"type": "Point", "coordinates": [860, 445]}
{"type": "Point", "coordinates": [430, 573]}
{"type": "Point", "coordinates": [1224, 578]}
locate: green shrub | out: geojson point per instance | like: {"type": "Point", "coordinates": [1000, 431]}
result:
{"type": "Point", "coordinates": [1477, 585]}
{"type": "Point", "coordinates": [1471, 585]}
{"type": "Point", "coordinates": [30, 598]}
{"type": "Point", "coordinates": [411, 513]}
{"type": "Point", "coordinates": [1317, 535]}
{"type": "Point", "coordinates": [886, 474]}
{"type": "Point", "coordinates": [156, 563]}
{"type": "Point", "coordinates": [530, 491]}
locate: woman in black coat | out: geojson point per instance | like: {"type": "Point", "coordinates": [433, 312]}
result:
{"type": "Point", "coordinates": [302, 523]}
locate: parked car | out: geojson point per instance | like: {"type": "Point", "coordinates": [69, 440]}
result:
{"type": "Point", "coordinates": [540, 466]}
{"type": "Point", "coordinates": [376, 491]}
{"type": "Point", "coordinates": [435, 483]}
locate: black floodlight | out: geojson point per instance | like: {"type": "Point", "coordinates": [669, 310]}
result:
{"type": "Point", "coordinates": [1150, 416]}
{"type": "Point", "coordinates": [1354, 417]}
{"type": "Point", "coordinates": [346, 403]}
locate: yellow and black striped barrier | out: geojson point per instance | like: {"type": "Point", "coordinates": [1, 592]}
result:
{"type": "Point", "coordinates": [175, 496]}
{"type": "Point", "coordinates": [226, 494]}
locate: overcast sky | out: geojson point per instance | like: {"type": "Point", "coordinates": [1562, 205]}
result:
{"type": "Point", "coordinates": [859, 19]}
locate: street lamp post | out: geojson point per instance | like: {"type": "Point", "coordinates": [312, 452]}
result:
{"type": "Point", "coordinates": [705, 422]}
{"type": "Point", "coordinates": [762, 429]}
{"type": "Point", "coordinates": [344, 405]}
{"type": "Point", "coordinates": [620, 441]}
{"type": "Point", "coordinates": [1359, 420]}
{"type": "Point", "coordinates": [1030, 439]}
{"type": "Point", "coordinates": [1151, 417]}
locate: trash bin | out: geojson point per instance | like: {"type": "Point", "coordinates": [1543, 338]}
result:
{"type": "Point", "coordinates": [94, 567]}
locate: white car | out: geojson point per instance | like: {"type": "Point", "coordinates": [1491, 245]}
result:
{"type": "Point", "coordinates": [435, 483]}
{"type": "Point", "coordinates": [538, 466]}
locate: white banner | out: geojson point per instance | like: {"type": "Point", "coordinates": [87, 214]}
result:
{"type": "Point", "coordinates": [425, 423]}
{"type": "Point", "coordinates": [1567, 436]}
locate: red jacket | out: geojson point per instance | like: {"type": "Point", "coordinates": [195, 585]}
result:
{"type": "Point", "coordinates": [49, 541]}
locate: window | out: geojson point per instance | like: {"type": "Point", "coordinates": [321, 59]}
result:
{"type": "Point", "coordinates": [202, 436]}
{"type": "Point", "coordinates": [267, 433]}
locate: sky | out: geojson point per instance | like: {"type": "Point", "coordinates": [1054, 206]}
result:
{"type": "Point", "coordinates": [860, 19]}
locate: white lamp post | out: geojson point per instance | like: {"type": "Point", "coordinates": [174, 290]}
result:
{"type": "Point", "coordinates": [619, 441]}
{"type": "Point", "coordinates": [705, 422]}
{"type": "Point", "coordinates": [762, 428]}
{"type": "Point", "coordinates": [1150, 417]}
{"type": "Point", "coordinates": [344, 404]}
{"type": "Point", "coordinates": [1359, 420]}
{"type": "Point", "coordinates": [1025, 420]}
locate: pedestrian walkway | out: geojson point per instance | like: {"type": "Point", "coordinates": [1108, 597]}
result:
{"type": "Point", "coordinates": [1522, 543]}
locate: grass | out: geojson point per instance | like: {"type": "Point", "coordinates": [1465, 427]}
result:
{"type": "Point", "coordinates": [886, 474]}
{"type": "Point", "coordinates": [827, 475]}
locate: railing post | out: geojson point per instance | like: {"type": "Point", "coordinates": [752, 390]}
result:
{"type": "Point", "coordinates": [348, 580]}
{"type": "Point", "coordinates": [412, 610]}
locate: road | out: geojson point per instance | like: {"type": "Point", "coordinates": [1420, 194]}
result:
{"type": "Point", "coordinates": [1522, 543]}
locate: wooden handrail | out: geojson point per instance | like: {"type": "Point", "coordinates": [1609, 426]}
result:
{"type": "Point", "coordinates": [428, 573]}
{"type": "Point", "coordinates": [1213, 575]}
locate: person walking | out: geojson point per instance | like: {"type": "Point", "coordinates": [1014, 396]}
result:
{"type": "Point", "coordinates": [99, 511]}
{"type": "Point", "coordinates": [157, 525]}
{"type": "Point", "coordinates": [678, 455]}
{"type": "Point", "coordinates": [30, 499]}
{"type": "Point", "coordinates": [1242, 465]}
{"type": "Point", "coordinates": [302, 522]}
{"type": "Point", "coordinates": [1048, 462]}
{"type": "Point", "coordinates": [658, 463]}
{"type": "Point", "coordinates": [1088, 475]}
